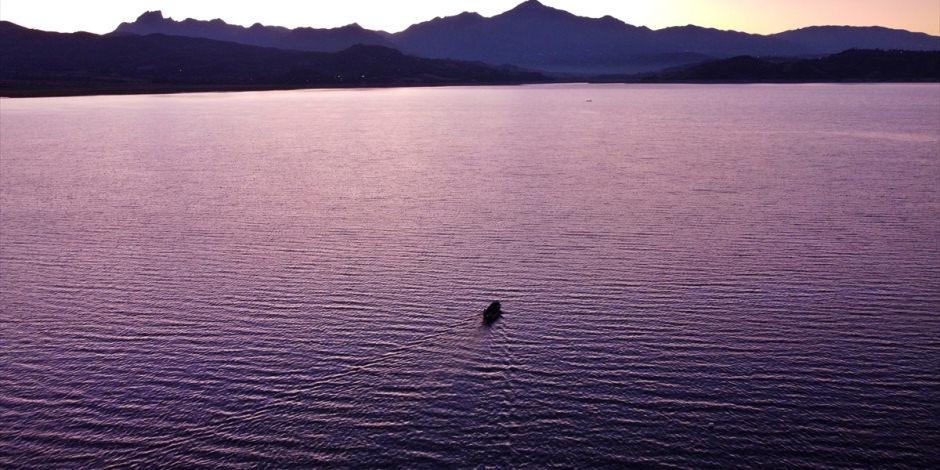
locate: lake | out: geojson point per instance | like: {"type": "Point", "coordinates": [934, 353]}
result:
{"type": "Point", "coordinates": [697, 276]}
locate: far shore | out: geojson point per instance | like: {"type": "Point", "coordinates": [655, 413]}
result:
{"type": "Point", "coordinates": [165, 89]}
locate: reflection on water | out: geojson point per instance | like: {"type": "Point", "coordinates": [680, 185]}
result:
{"type": "Point", "coordinates": [696, 276]}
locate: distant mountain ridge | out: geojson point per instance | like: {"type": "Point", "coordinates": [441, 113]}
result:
{"type": "Point", "coordinates": [832, 39]}
{"type": "Point", "coordinates": [302, 39]}
{"type": "Point", "coordinates": [536, 36]}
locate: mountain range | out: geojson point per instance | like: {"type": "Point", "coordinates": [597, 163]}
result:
{"type": "Point", "coordinates": [539, 37]}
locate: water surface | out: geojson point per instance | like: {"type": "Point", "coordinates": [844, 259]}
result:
{"type": "Point", "coordinates": [694, 276]}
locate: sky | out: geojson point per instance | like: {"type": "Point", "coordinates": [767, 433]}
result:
{"type": "Point", "coordinates": [753, 16]}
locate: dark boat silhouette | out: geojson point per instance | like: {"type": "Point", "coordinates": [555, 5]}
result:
{"type": "Point", "coordinates": [492, 313]}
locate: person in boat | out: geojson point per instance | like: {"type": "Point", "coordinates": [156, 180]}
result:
{"type": "Point", "coordinates": [492, 313]}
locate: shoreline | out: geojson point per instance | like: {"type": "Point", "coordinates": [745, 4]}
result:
{"type": "Point", "coordinates": [65, 92]}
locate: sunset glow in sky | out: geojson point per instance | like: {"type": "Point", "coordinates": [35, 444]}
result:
{"type": "Point", "coordinates": [756, 16]}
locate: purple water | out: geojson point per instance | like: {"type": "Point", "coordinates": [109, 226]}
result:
{"type": "Point", "coordinates": [693, 276]}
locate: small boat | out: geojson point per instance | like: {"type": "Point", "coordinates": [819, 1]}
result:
{"type": "Point", "coordinates": [492, 313]}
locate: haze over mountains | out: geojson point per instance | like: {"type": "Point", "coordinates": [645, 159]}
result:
{"type": "Point", "coordinates": [539, 37]}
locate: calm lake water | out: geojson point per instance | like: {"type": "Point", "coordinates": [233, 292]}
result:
{"type": "Point", "coordinates": [694, 276]}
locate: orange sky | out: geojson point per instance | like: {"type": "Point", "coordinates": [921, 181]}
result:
{"type": "Point", "coordinates": [757, 16]}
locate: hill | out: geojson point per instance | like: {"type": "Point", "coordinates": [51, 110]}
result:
{"type": "Point", "coordinates": [849, 66]}
{"type": "Point", "coordinates": [36, 63]}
